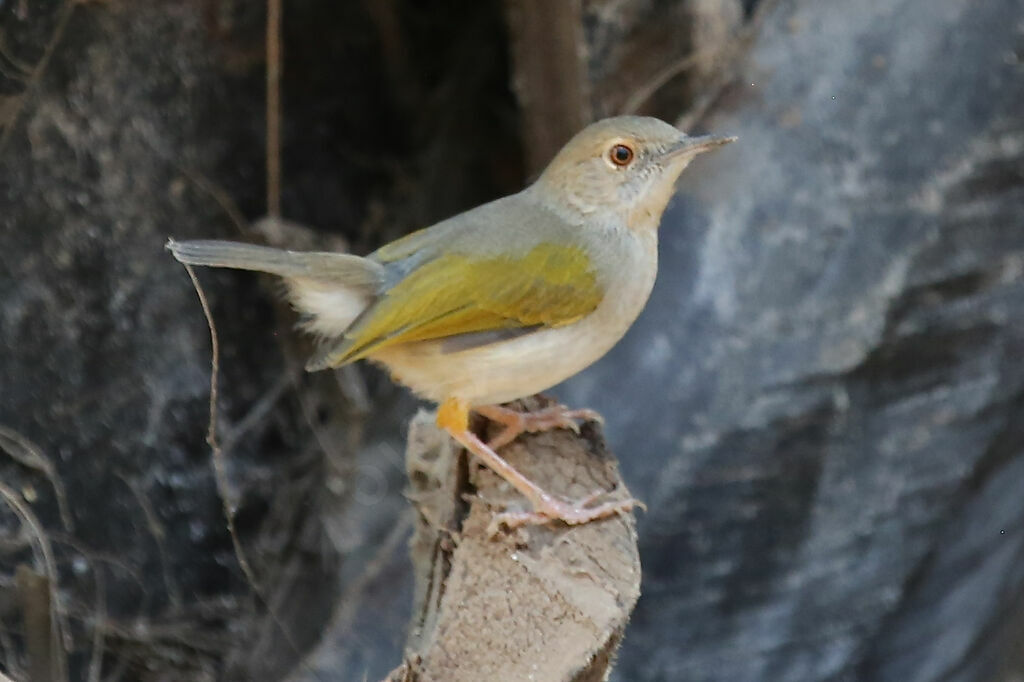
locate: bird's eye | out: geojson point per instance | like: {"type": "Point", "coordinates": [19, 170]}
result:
{"type": "Point", "coordinates": [620, 155]}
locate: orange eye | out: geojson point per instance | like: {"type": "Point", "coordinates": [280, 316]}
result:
{"type": "Point", "coordinates": [620, 155]}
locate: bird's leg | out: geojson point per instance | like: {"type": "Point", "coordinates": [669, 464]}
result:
{"type": "Point", "coordinates": [453, 417]}
{"type": "Point", "coordinates": [544, 419]}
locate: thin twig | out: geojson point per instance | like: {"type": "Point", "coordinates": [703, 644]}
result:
{"type": "Point", "coordinates": [10, 658]}
{"type": "Point", "coordinates": [274, 108]}
{"type": "Point", "coordinates": [660, 79]}
{"type": "Point", "coordinates": [28, 454]}
{"type": "Point", "coordinates": [37, 74]}
{"type": "Point", "coordinates": [218, 194]}
{"type": "Point", "coordinates": [347, 606]}
{"type": "Point", "coordinates": [156, 530]}
{"type": "Point", "coordinates": [24, 67]}
{"type": "Point", "coordinates": [219, 468]}
{"type": "Point", "coordinates": [98, 624]}
{"type": "Point", "coordinates": [741, 39]}
{"type": "Point", "coordinates": [114, 561]}
{"type": "Point", "coordinates": [10, 72]}
{"type": "Point", "coordinates": [257, 413]}
{"type": "Point", "coordinates": [743, 42]}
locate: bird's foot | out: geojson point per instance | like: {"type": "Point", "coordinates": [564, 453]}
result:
{"type": "Point", "coordinates": [453, 417]}
{"type": "Point", "coordinates": [571, 513]}
{"type": "Point", "coordinates": [544, 419]}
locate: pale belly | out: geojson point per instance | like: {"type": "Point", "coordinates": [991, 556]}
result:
{"type": "Point", "coordinates": [516, 368]}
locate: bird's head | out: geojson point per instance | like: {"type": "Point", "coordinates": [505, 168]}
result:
{"type": "Point", "coordinates": [620, 169]}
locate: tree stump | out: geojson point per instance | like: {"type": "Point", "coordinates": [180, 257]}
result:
{"type": "Point", "coordinates": [544, 602]}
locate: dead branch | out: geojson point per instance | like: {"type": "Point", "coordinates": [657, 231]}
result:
{"type": "Point", "coordinates": [542, 603]}
{"type": "Point", "coordinates": [549, 76]}
{"type": "Point", "coordinates": [55, 650]}
{"type": "Point", "coordinates": [274, 108]}
{"type": "Point", "coordinates": [34, 590]}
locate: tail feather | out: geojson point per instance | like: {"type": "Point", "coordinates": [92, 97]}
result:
{"type": "Point", "coordinates": [339, 268]}
{"type": "Point", "coordinates": [329, 289]}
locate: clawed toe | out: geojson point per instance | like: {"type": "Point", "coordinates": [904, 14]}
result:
{"type": "Point", "coordinates": [573, 514]}
{"type": "Point", "coordinates": [546, 419]}
{"type": "Point", "coordinates": [546, 507]}
{"type": "Point", "coordinates": [586, 415]}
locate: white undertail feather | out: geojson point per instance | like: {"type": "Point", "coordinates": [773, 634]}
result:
{"type": "Point", "coordinates": [328, 309]}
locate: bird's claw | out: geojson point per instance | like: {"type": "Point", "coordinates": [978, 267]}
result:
{"type": "Point", "coordinates": [570, 513]}
{"type": "Point", "coordinates": [545, 419]}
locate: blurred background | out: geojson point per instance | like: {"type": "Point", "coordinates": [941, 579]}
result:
{"type": "Point", "coordinates": [822, 405]}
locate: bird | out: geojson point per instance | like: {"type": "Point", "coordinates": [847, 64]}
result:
{"type": "Point", "coordinates": [502, 301]}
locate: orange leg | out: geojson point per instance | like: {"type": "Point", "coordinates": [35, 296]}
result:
{"type": "Point", "coordinates": [453, 417]}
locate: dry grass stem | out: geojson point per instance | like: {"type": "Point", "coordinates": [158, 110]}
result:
{"type": "Point", "coordinates": [37, 73]}
{"type": "Point", "coordinates": [28, 454]}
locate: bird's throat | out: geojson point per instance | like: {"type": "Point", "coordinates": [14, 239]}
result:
{"type": "Point", "coordinates": [647, 211]}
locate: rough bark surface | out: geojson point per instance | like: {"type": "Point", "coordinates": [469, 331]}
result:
{"type": "Point", "coordinates": [542, 602]}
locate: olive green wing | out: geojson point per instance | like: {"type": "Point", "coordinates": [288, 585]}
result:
{"type": "Point", "coordinates": [457, 293]}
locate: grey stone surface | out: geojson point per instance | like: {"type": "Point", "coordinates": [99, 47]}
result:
{"type": "Point", "coordinates": [822, 403]}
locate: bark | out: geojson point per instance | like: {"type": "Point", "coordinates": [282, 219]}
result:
{"type": "Point", "coordinates": [544, 602]}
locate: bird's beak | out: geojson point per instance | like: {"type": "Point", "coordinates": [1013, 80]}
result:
{"type": "Point", "coordinates": [691, 146]}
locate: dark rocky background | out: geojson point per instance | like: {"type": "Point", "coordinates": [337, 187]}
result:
{"type": "Point", "coordinates": [823, 404]}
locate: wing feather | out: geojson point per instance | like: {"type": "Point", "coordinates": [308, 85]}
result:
{"type": "Point", "coordinates": [455, 294]}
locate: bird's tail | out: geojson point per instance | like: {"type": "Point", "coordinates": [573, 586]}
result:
{"type": "Point", "coordinates": [329, 289]}
{"type": "Point", "coordinates": [341, 268]}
